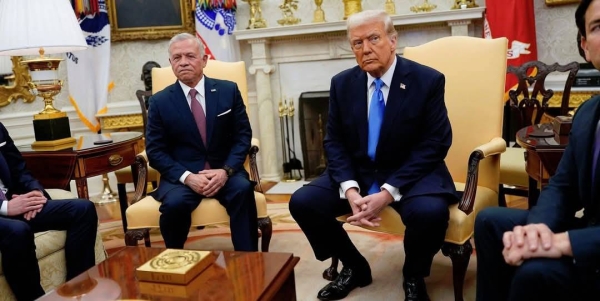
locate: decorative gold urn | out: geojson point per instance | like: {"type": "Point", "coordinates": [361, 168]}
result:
{"type": "Point", "coordinates": [319, 15]}
{"type": "Point", "coordinates": [352, 7]}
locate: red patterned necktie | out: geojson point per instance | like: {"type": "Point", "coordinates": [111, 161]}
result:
{"type": "Point", "coordinates": [200, 118]}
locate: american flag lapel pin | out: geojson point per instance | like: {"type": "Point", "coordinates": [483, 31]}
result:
{"type": "Point", "coordinates": [213, 90]}
{"type": "Point", "coordinates": [402, 86]}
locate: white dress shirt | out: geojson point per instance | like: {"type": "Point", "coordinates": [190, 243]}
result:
{"type": "Point", "coordinates": [201, 99]}
{"type": "Point", "coordinates": [385, 89]}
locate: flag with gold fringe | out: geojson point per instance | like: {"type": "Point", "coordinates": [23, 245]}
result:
{"type": "Point", "coordinates": [88, 70]}
{"type": "Point", "coordinates": [215, 22]}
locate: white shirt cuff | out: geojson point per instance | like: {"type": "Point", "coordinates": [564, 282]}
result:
{"type": "Point", "coordinates": [344, 186]}
{"type": "Point", "coordinates": [394, 191]}
{"type": "Point", "coordinates": [183, 176]}
{"type": "Point", "coordinates": [4, 208]}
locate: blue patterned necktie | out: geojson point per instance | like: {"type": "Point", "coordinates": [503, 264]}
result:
{"type": "Point", "coordinates": [376, 110]}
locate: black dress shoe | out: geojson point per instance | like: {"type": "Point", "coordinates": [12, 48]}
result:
{"type": "Point", "coordinates": [415, 290]}
{"type": "Point", "coordinates": [347, 280]}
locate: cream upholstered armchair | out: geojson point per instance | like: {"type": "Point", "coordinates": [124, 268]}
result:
{"type": "Point", "coordinates": [143, 213]}
{"type": "Point", "coordinates": [50, 253]}
{"type": "Point", "coordinates": [475, 72]}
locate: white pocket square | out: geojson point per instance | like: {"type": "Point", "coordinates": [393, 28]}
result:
{"type": "Point", "coordinates": [224, 113]}
{"type": "Point", "coordinates": [3, 144]}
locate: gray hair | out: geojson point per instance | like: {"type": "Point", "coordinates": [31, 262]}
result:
{"type": "Point", "coordinates": [368, 16]}
{"type": "Point", "coordinates": [186, 36]}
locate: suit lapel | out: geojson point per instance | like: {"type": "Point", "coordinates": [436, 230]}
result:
{"type": "Point", "coordinates": [211, 99]}
{"type": "Point", "coordinates": [589, 146]}
{"type": "Point", "coordinates": [586, 136]}
{"type": "Point", "coordinates": [359, 95]}
{"type": "Point", "coordinates": [400, 84]}
{"type": "Point", "coordinates": [4, 172]}
{"type": "Point", "coordinates": [179, 101]}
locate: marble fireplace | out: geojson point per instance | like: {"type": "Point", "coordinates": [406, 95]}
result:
{"type": "Point", "coordinates": [286, 61]}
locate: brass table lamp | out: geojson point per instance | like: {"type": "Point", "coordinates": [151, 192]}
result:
{"type": "Point", "coordinates": [38, 28]}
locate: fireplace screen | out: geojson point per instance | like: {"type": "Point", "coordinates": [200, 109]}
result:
{"type": "Point", "coordinates": [313, 108]}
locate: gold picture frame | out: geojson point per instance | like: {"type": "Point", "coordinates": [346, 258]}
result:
{"type": "Point", "coordinates": [149, 19]}
{"type": "Point", "coordinates": [561, 2]}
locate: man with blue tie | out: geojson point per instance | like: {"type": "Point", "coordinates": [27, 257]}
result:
{"type": "Point", "coordinates": [388, 133]}
{"type": "Point", "coordinates": [197, 137]}
{"type": "Point", "coordinates": [547, 253]}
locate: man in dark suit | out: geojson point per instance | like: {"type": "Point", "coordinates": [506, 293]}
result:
{"type": "Point", "coordinates": [548, 253]}
{"type": "Point", "coordinates": [388, 133]}
{"type": "Point", "coordinates": [25, 209]}
{"type": "Point", "coordinates": [197, 137]}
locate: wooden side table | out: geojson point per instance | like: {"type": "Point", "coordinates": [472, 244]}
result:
{"type": "Point", "coordinates": [544, 150]}
{"type": "Point", "coordinates": [55, 169]}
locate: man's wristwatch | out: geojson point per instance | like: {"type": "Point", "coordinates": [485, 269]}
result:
{"type": "Point", "coordinates": [228, 170]}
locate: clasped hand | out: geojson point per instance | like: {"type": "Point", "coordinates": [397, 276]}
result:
{"type": "Point", "coordinates": [533, 241]}
{"type": "Point", "coordinates": [366, 210]}
{"type": "Point", "coordinates": [28, 204]}
{"type": "Point", "coordinates": [207, 182]}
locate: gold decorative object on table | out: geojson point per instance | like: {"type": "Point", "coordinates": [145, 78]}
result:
{"type": "Point", "coordinates": [288, 14]}
{"type": "Point", "coordinates": [175, 266]}
{"type": "Point", "coordinates": [423, 8]}
{"type": "Point", "coordinates": [256, 19]}
{"type": "Point", "coordinates": [351, 7]}
{"type": "Point", "coordinates": [319, 15]}
{"type": "Point", "coordinates": [462, 4]}
{"type": "Point", "coordinates": [390, 7]}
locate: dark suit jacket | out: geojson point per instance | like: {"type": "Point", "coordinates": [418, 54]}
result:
{"type": "Point", "coordinates": [173, 142]}
{"type": "Point", "coordinates": [13, 172]}
{"type": "Point", "coordinates": [571, 189]}
{"type": "Point", "coordinates": [415, 134]}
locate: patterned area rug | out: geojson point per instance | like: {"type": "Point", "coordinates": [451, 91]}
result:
{"type": "Point", "coordinates": [384, 252]}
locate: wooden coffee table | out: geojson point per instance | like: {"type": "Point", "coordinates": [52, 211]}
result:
{"type": "Point", "coordinates": [234, 276]}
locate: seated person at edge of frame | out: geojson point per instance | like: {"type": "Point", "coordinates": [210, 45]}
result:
{"type": "Point", "coordinates": [25, 209]}
{"type": "Point", "coordinates": [382, 150]}
{"type": "Point", "coordinates": [547, 253]}
{"type": "Point", "coordinates": [197, 137]}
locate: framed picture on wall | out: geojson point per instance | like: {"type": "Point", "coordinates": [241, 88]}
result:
{"type": "Point", "coordinates": [149, 19]}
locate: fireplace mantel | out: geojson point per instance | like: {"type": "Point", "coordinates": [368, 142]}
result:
{"type": "Point", "coordinates": [281, 57]}
{"type": "Point", "coordinates": [451, 17]}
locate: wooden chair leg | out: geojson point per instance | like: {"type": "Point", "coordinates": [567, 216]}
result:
{"type": "Point", "coordinates": [501, 196]}
{"type": "Point", "coordinates": [133, 236]}
{"type": "Point", "coordinates": [122, 203]}
{"type": "Point", "coordinates": [331, 272]}
{"type": "Point", "coordinates": [460, 256]}
{"type": "Point", "coordinates": [266, 228]}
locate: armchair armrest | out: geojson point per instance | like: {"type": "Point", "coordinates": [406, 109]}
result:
{"type": "Point", "coordinates": [254, 176]}
{"type": "Point", "coordinates": [140, 178]}
{"type": "Point", "coordinates": [495, 147]}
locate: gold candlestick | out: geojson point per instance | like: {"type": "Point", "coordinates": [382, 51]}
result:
{"type": "Point", "coordinates": [351, 7]}
{"type": "Point", "coordinates": [390, 7]}
{"type": "Point", "coordinates": [319, 15]}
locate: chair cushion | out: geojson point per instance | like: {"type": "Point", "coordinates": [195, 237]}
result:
{"type": "Point", "coordinates": [124, 175]}
{"type": "Point", "coordinates": [145, 214]}
{"type": "Point", "coordinates": [512, 167]}
{"type": "Point", "coordinates": [460, 227]}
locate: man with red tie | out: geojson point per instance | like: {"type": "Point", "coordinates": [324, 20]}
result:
{"type": "Point", "coordinates": [547, 253]}
{"type": "Point", "coordinates": [197, 137]}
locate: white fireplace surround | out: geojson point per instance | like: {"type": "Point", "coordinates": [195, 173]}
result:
{"type": "Point", "coordinates": [286, 61]}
